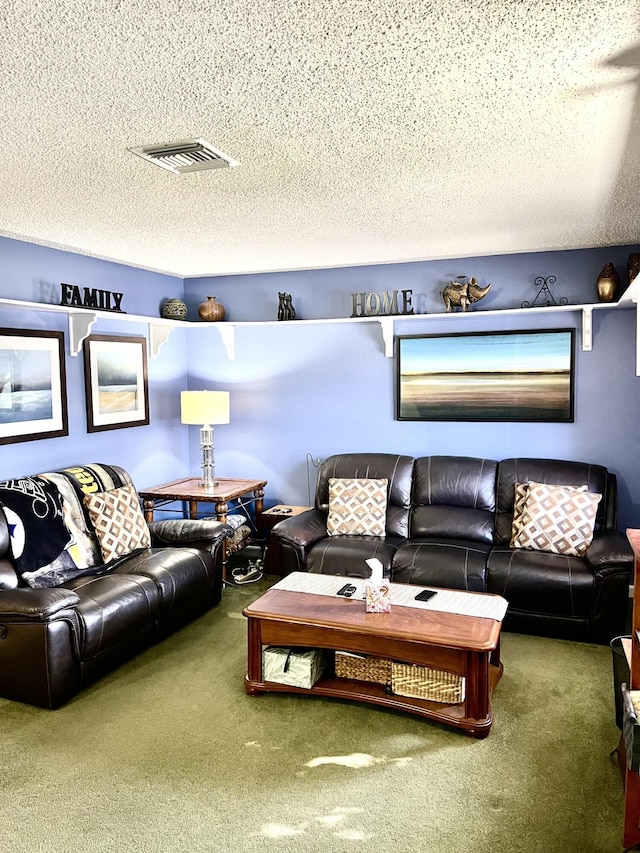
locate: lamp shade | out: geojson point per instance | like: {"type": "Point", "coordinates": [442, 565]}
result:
{"type": "Point", "coordinates": [204, 407]}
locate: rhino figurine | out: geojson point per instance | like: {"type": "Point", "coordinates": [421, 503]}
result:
{"type": "Point", "coordinates": [463, 294]}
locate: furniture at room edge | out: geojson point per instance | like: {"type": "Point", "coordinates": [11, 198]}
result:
{"type": "Point", "coordinates": [190, 490]}
{"type": "Point", "coordinates": [85, 583]}
{"type": "Point", "coordinates": [270, 517]}
{"type": "Point", "coordinates": [466, 645]}
{"type": "Point", "coordinates": [631, 823]}
{"type": "Point", "coordinates": [449, 524]}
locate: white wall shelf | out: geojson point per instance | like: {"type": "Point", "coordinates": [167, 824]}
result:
{"type": "Point", "coordinates": [387, 323]}
{"type": "Point", "coordinates": [82, 320]}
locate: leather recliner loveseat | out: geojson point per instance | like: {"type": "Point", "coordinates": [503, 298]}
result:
{"type": "Point", "coordinates": [67, 616]}
{"type": "Point", "coordinates": [449, 524]}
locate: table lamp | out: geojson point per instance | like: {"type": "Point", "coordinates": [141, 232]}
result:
{"type": "Point", "coordinates": [205, 407]}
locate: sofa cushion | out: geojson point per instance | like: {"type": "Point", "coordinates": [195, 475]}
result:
{"type": "Point", "coordinates": [113, 607]}
{"type": "Point", "coordinates": [557, 519]}
{"type": "Point", "coordinates": [179, 574]}
{"type": "Point", "coordinates": [452, 563]}
{"type": "Point", "coordinates": [346, 555]}
{"type": "Point", "coordinates": [41, 544]}
{"type": "Point", "coordinates": [541, 583]}
{"type": "Point", "coordinates": [118, 521]}
{"type": "Point", "coordinates": [357, 506]}
{"type": "Point", "coordinates": [453, 497]}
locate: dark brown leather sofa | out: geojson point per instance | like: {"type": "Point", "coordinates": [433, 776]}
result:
{"type": "Point", "coordinates": [56, 639]}
{"type": "Point", "coordinates": [449, 524]}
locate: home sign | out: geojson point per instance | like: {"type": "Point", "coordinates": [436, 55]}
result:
{"type": "Point", "coordinates": [375, 304]}
{"type": "Point", "coordinates": [91, 297]}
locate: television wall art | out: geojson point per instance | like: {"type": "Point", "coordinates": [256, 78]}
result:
{"type": "Point", "coordinates": [486, 376]}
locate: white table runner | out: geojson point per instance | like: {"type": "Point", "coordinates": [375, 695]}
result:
{"type": "Point", "coordinates": [402, 595]}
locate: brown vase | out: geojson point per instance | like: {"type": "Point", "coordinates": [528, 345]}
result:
{"type": "Point", "coordinates": [608, 283]}
{"type": "Point", "coordinates": [211, 311]}
{"type": "Point", "coordinates": [633, 266]}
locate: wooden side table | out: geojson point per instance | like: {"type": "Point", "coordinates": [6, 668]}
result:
{"type": "Point", "coordinates": [271, 517]}
{"type": "Point", "coordinates": [189, 489]}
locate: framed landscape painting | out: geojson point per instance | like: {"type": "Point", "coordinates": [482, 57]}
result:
{"type": "Point", "coordinates": [115, 377]}
{"type": "Point", "coordinates": [33, 391]}
{"type": "Point", "coordinates": [486, 376]}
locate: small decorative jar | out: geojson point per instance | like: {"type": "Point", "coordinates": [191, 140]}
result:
{"type": "Point", "coordinates": [633, 266]}
{"type": "Point", "coordinates": [211, 310]}
{"type": "Point", "coordinates": [607, 284]}
{"type": "Point", "coordinates": [173, 309]}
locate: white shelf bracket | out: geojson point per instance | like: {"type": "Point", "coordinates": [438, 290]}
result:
{"type": "Point", "coordinates": [158, 334]}
{"type": "Point", "coordinates": [228, 336]}
{"type": "Point", "coordinates": [79, 328]}
{"type": "Point", "coordinates": [587, 329]}
{"type": "Point", "coordinates": [386, 326]}
{"type": "Point", "coordinates": [637, 302]}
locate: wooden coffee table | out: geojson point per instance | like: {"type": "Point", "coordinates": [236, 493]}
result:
{"type": "Point", "coordinates": [468, 646]}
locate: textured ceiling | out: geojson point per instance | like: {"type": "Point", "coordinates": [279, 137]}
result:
{"type": "Point", "coordinates": [366, 132]}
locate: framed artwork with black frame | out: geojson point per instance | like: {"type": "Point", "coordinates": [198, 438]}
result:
{"type": "Point", "coordinates": [115, 378]}
{"type": "Point", "coordinates": [33, 386]}
{"type": "Point", "coordinates": [486, 376]}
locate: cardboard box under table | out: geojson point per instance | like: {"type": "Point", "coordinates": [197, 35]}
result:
{"type": "Point", "coordinates": [295, 667]}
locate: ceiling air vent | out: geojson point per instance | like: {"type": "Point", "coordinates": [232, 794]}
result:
{"type": "Point", "coordinates": [194, 155]}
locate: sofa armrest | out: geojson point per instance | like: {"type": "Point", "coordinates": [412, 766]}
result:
{"type": "Point", "coordinates": [37, 604]}
{"type": "Point", "coordinates": [302, 530]}
{"type": "Point", "coordinates": [610, 551]}
{"type": "Point", "coordinates": [188, 532]}
{"type": "Point", "coordinates": [291, 538]}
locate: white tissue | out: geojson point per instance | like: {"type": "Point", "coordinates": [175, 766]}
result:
{"type": "Point", "coordinates": [376, 571]}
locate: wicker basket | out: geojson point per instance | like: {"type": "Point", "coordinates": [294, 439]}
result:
{"type": "Point", "coordinates": [420, 682]}
{"type": "Point", "coordinates": [363, 668]}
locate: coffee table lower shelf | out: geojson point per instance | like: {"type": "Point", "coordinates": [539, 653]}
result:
{"type": "Point", "coordinates": [377, 694]}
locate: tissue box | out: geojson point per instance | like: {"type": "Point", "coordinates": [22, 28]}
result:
{"type": "Point", "coordinates": [296, 667]}
{"type": "Point", "coordinates": [377, 598]}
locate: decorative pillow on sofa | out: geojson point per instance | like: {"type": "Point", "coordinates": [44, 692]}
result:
{"type": "Point", "coordinates": [521, 493]}
{"type": "Point", "coordinates": [118, 522]}
{"type": "Point", "coordinates": [357, 507]}
{"type": "Point", "coordinates": [558, 519]}
{"type": "Point", "coordinates": [42, 546]}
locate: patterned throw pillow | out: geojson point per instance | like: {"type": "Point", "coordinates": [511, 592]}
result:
{"type": "Point", "coordinates": [558, 519]}
{"type": "Point", "coordinates": [521, 493]}
{"type": "Point", "coordinates": [357, 507]}
{"type": "Point", "coordinates": [118, 521]}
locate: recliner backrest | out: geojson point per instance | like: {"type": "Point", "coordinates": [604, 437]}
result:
{"type": "Point", "coordinates": [554, 472]}
{"type": "Point", "coordinates": [397, 469]}
{"type": "Point", "coordinates": [453, 497]}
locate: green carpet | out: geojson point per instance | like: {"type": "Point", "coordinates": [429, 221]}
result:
{"type": "Point", "coordinates": [168, 753]}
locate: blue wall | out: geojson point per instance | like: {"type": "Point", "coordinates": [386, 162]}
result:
{"type": "Point", "coordinates": [325, 388]}
{"type": "Point", "coordinates": [151, 453]}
